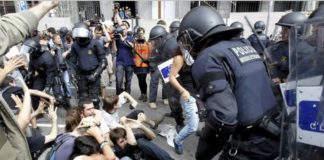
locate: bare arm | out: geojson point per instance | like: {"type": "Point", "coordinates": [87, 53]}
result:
{"type": "Point", "coordinates": [11, 65]}
{"type": "Point", "coordinates": [42, 94]}
{"type": "Point", "coordinates": [131, 140]}
{"type": "Point", "coordinates": [42, 8]}
{"type": "Point", "coordinates": [23, 117]}
{"type": "Point", "coordinates": [129, 97]}
{"type": "Point", "coordinates": [148, 133]}
{"type": "Point", "coordinates": [52, 114]}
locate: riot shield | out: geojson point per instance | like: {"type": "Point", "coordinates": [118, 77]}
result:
{"type": "Point", "coordinates": [302, 128]}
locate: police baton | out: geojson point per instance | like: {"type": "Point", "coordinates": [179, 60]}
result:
{"type": "Point", "coordinates": [260, 43]}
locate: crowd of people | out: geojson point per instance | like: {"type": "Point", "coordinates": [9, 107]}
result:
{"type": "Point", "coordinates": [224, 81]}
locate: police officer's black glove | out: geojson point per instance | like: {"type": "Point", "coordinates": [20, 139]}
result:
{"type": "Point", "coordinates": [145, 61]}
{"type": "Point", "coordinates": [92, 78]}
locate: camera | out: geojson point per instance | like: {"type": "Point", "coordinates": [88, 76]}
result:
{"type": "Point", "coordinates": [117, 32]}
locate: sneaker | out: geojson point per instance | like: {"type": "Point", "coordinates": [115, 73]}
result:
{"type": "Point", "coordinates": [144, 98]}
{"type": "Point", "coordinates": [165, 101]}
{"type": "Point", "coordinates": [178, 147]}
{"type": "Point", "coordinates": [110, 84]}
{"type": "Point", "coordinates": [152, 105]}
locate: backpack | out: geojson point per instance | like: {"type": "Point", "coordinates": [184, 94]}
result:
{"type": "Point", "coordinates": [57, 144]}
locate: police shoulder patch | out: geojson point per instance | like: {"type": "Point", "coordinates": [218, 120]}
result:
{"type": "Point", "coordinates": [245, 53]}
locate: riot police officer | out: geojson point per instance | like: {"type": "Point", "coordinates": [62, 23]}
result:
{"type": "Point", "coordinates": [43, 69]}
{"type": "Point", "coordinates": [174, 27]}
{"type": "Point", "coordinates": [259, 27]}
{"type": "Point", "coordinates": [278, 54]}
{"type": "Point", "coordinates": [165, 45]}
{"type": "Point", "coordinates": [89, 56]}
{"type": "Point", "coordinates": [233, 84]}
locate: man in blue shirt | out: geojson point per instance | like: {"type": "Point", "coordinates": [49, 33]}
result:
{"type": "Point", "coordinates": [124, 59]}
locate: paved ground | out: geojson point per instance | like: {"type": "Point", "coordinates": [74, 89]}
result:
{"type": "Point", "coordinates": [190, 143]}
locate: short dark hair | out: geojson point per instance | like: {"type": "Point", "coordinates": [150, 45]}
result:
{"type": "Point", "coordinates": [127, 23]}
{"type": "Point", "coordinates": [109, 102]}
{"type": "Point", "coordinates": [51, 30]}
{"type": "Point", "coordinates": [98, 28]}
{"type": "Point", "coordinates": [84, 101]}
{"type": "Point", "coordinates": [116, 134]}
{"type": "Point", "coordinates": [85, 145]}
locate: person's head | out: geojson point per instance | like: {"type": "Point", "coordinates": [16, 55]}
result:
{"type": "Point", "coordinates": [51, 31]}
{"type": "Point", "coordinates": [72, 120]}
{"type": "Point", "coordinates": [259, 26]}
{"type": "Point", "coordinates": [31, 46]}
{"type": "Point", "coordinates": [238, 24]}
{"type": "Point", "coordinates": [110, 103]}
{"type": "Point", "coordinates": [118, 137]}
{"type": "Point", "coordinates": [81, 33]}
{"type": "Point", "coordinates": [140, 33]}
{"type": "Point", "coordinates": [174, 27]}
{"type": "Point", "coordinates": [202, 27]}
{"type": "Point", "coordinates": [63, 31]}
{"type": "Point", "coordinates": [98, 32]}
{"type": "Point", "coordinates": [57, 40]}
{"type": "Point", "coordinates": [124, 28]}
{"type": "Point", "coordinates": [161, 23]}
{"type": "Point", "coordinates": [126, 24]}
{"type": "Point", "coordinates": [86, 108]}
{"type": "Point", "coordinates": [157, 34]}
{"type": "Point", "coordinates": [85, 145]}
{"type": "Point", "coordinates": [293, 19]}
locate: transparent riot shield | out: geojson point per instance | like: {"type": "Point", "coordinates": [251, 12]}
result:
{"type": "Point", "coordinates": [302, 128]}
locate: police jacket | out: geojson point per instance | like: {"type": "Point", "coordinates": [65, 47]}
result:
{"type": "Point", "coordinates": [88, 57]}
{"type": "Point", "coordinates": [254, 42]}
{"type": "Point", "coordinates": [44, 65]}
{"type": "Point", "coordinates": [279, 60]}
{"type": "Point", "coordinates": [232, 81]}
{"type": "Point", "coordinates": [165, 51]}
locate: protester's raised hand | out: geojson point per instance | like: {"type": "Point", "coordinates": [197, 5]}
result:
{"type": "Point", "coordinates": [17, 100]}
{"type": "Point", "coordinates": [13, 63]}
{"type": "Point", "coordinates": [52, 112]}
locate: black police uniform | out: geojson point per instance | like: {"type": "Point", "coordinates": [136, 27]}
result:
{"type": "Point", "coordinates": [254, 42]}
{"type": "Point", "coordinates": [232, 81]}
{"type": "Point", "coordinates": [89, 59]}
{"type": "Point", "coordinates": [43, 68]}
{"type": "Point", "coordinates": [279, 60]}
{"type": "Point", "coordinates": [164, 53]}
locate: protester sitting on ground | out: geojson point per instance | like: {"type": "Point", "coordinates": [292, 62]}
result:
{"type": "Point", "coordinates": [135, 146]}
{"type": "Point", "coordinates": [111, 104]}
{"type": "Point", "coordinates": [92, 146]}
{"type": "Point", "coordinates": [86, 109]}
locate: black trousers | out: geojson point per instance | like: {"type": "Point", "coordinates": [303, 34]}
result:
{"type": "Point", "coordinates": [142, 83]}
{"type": "Point", "coordinates": [256, 145]}
{"type": "Point", "coordinates": [174, 104]}
{"type": "Point", "coordinates": [89, 89]}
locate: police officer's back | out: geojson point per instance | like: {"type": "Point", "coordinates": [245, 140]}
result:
{"type": "Point", "coordinates": [259, 27]}
{"type": "Point", "coordinates": [233, 84]}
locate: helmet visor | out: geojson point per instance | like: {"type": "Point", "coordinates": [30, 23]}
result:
{"type": "Point", "coordinates": [80, 33]}
{"type": "Point", "coordinates": [26, 49]}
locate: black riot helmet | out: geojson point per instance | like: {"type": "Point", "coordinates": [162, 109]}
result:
{"type": "Point", "coordinates": [31, 46]}
{"type": "Point", "coordinates": [291, 19]}
{"type": "Point", "coordinates": [174, 26]}
{"type": "Point", "coordinates": [81, 33]}
{"type": "Point", "coordinates": [63, 31]}
{"type": "Point", "coordinates": [157, 36]}
{"type": "Point", "coordinates": [237, 25]}
{"type": "Point", "coordinates": [201, 25]}
{"type": "Point", "coordinates": [259, 26]}
{"type": "Point", "coordinates": [156, 32]}
{"type": "Point", "coordinates": [318, 12]}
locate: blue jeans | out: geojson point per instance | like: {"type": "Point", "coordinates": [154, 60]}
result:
{"type": "Point", "coordinates": [154, 85]}
{"type": "Point", "coordinates": [122, 71]}
{"type": "Point", "coordinates": [66, 79]}
{"type": "Point", "coordinates": [190, 110]}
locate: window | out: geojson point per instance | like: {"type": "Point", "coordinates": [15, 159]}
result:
{"type": "Point", "coordinates": [281, 6]}
{"type": "Point", "coordinates": [245, 6]}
